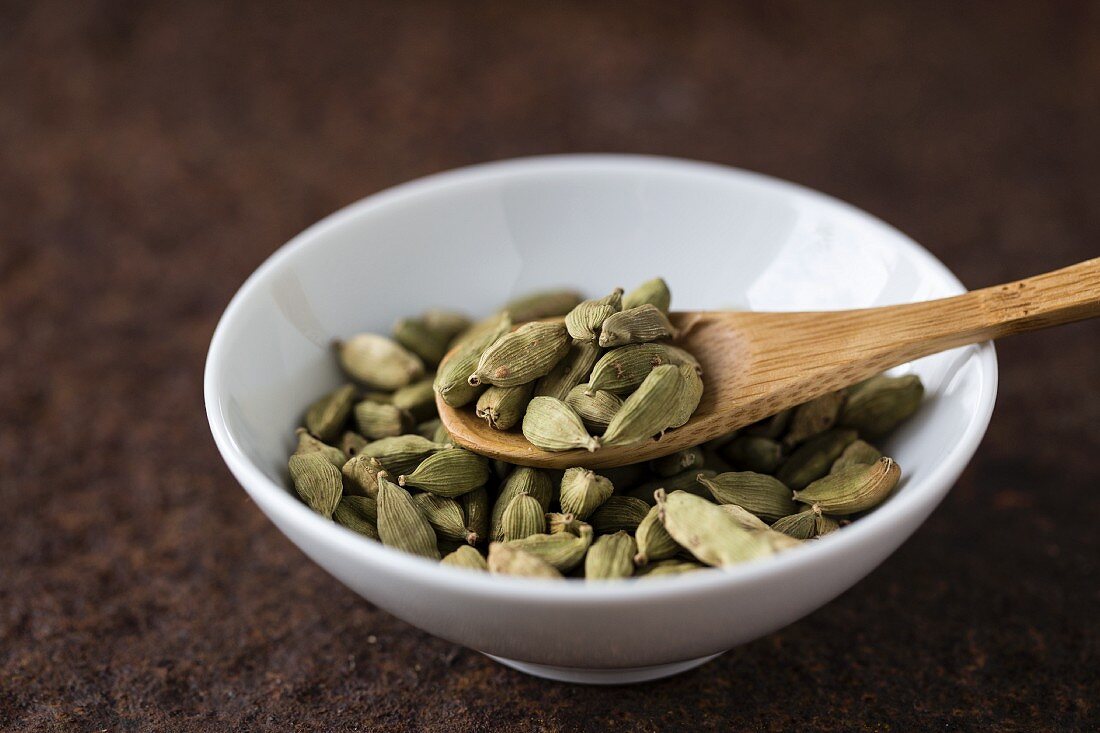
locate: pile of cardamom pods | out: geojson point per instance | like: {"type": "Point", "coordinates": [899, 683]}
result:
{"type": "Point", "coordinates": [374, 457]}
{"type": "Point", "coordinates": [606, 376]}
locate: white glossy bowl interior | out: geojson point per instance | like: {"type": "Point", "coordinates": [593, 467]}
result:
{"type": "Point", "coordinates": [472, 238]}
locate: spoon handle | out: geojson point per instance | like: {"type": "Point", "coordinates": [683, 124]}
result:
{"type": "Point", "coordinates": [835, 348]}
{"type": "Point", "coordinates": [1062, 296]}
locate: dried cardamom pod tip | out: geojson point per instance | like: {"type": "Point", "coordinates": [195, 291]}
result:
{"type": "Point", "coordinates": [654, 292]}
{"type": "Point", "coordinates": [560, 522]}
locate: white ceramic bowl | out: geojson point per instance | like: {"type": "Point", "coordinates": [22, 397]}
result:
{"type": "Point", "coordinates": [471, 238]}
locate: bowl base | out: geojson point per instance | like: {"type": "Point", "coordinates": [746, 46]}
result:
{"type": "Point", "coordinates": [620, 676]}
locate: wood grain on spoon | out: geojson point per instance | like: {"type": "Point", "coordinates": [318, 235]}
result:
{"type": "Point", "coordinates": [757, 364]}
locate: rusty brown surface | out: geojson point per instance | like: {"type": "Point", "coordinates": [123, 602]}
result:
{"type": "Point", "coordinates": [151, 155]}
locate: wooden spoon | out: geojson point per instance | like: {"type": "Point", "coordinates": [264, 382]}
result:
{"type": "Point", "coordinates": [757, 364]}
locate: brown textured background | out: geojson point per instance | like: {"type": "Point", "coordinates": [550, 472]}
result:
{"type": "Point", "coordinates": [152, 154]}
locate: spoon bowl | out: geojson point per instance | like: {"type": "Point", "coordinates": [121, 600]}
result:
{"type": "Point", "coordinates": [713, 338]}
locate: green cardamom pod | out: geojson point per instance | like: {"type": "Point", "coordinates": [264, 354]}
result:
{"type": "Point", "coordinates": [572, 370]}
{"type": "Point", "coordinates": [446, 517]}
{"type": "Point", "coordinates": [552, 425]}
{"type": "Point", "coordinates": [317, 481]}
{"type": "Point", "coordinates": [359, 514]}
{"type": "Point", "coordinates": [687, 481]}
{"type": "Point", "coordinates": [711, 535]}
{"type": "Point", "coordinates": [771, 427]}
{"type": "Point", "coordinates": [308, 444]}
{"type": "Point", "coordinates": [583, 491]}
{"type": "Point", "coordinates": [682, 357]}
{"type": "Point", "coordinates": [504, 407]}
{"type": "Point", "coordinates": [544, 304]}
{"type": "Point", "coordinates": [646, 412]}
{"type": "Point", "coordinates": [654, 542]}
{"type": "Point", "coordinates": [677, 462]}
{"type": "Point", "coordinates": [765, 496]}
{"type": "Point", "coordinates": [351, 443]}
{"type": "Point", "coordinates": [801, 526]}
{"type": "Point", "coordinates": [777, 541]}
{"type": "Point", "coordinates": [613, 299]}
{"type": "Point", "coordinates": [619, 513]}
{"type": "Point", "coordinates": [508, 560]}
{"type": "Point", "coordinates": [452, 379]}
{"type": "Point", "coordinates": [522, 356]}
{"type": "Point", "coordinates": [466, 557]}
{"type": "Point", "coordinates": [754, 453]}
{"type": "Point", "coordinates": [430, 335]}
{"type": "Point", "coordinates": [668, 567]}
{"type": "Point", "coordinates": [621, 370]}
{"type": "Point", "coordinates": [400, 523]}
{"type": "Point", "coordinates": [445, 323]}
{"type": "Point", "coordinates": [611, 557]}
{"type": "Point", "coordinates": [523, 517]}
{"type": "Point", "coordinates": [858, 453]}
{"type": "Point", "coordinates": [364, 507]}
{"type": "Point", "coordinates": [635, 326]}
{"type": "Point", "coordinates": [877, 406]}
{"type": "Point", "coordinates": [825, 524]}
{"type": "Point", "coordinates": [584, 321]}
{"type": "Point", "coordinates": [418, 399]}
{"type": "Point", "coordinates": [476, 509]}
{"type": "Point", "coordinates": [813, 459]}
{"type": "Point", "coordinates": [361, 475]}
{"type": "Point", "coordinates": [416, 336]}
{"type": "Point", "coordinates": [655, 292]}
{"type": "Point", "coordinates": [596, 409]}
{"type": "Point", "coordinates": [403, 453]}
{"type": "Point", "coordinates": [325, 418]}
{"type": "Point", "coordinates": [563, 550]}
{"type": "Point", "coordinates": [522, 480]}
{"type": "Point", "coordinates": [814, 417]}
{"type": "Point", "coordinates": [691, 392]}
{"type": "Point", "coordinates": [744, 517]}
{"type": "Point", "coordinates": [378, 362]}
{"type": "Point", "coordinates": [450, 472]}
{"type": "Point", "coordinates": [382, 421]}
{"type": "Point", "coordinates": [559, 522]}
{"type": "Point", "coordinates": [853, 489]}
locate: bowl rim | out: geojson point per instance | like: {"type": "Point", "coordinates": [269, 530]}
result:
{"type": "Point", "coordinates": [274, 498]}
